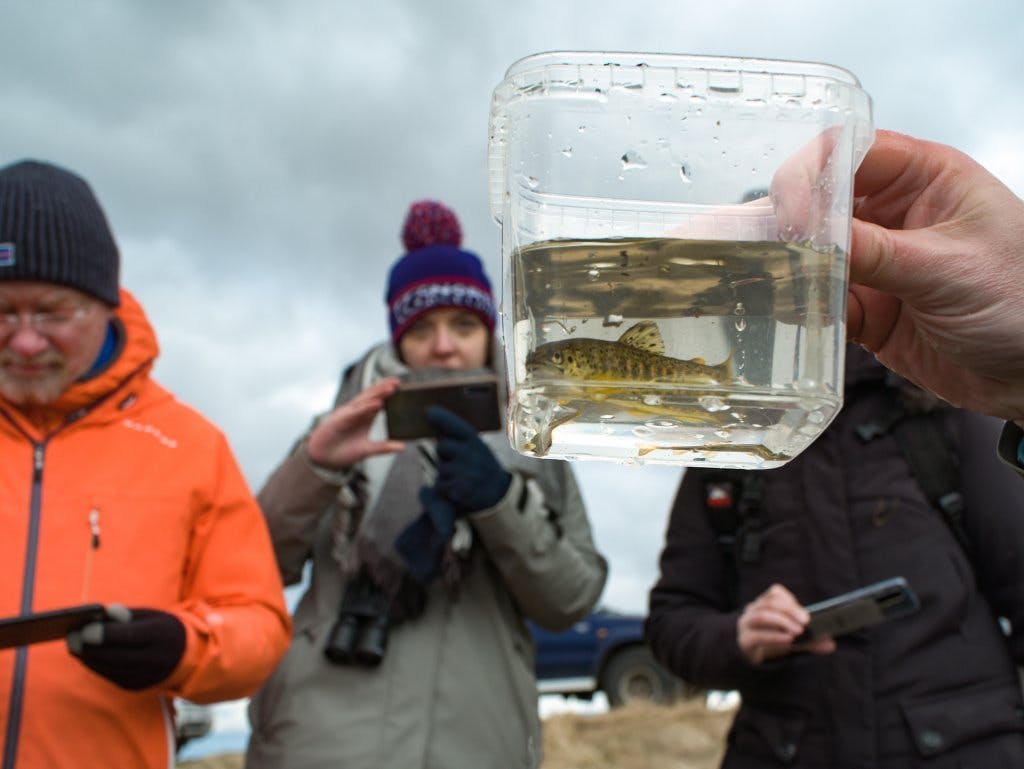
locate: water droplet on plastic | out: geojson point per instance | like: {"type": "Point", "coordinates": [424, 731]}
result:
{"type": "Point", "coordinates": [532, 182]}
{"type": "Point", "coordinates": [684, 174]}
{"type": "Point", "coordinates": [668, 97]}
{"type": "Point", "coordinates": [652, 400]}
{"type": "Point", "coordinates": [816, 417]}
{"type": "Point", "coordinates": [723, 434]}
{"type": "Point", "coordinates": [567, 152]}
{"type": "Point", "coordinates": [741, 324]}
{"type": "Point", "coordinates": [740, 309]}
{"type": "Point", "coordinates": [632, 161]}
{"type": "Point", "coordinates": [593, 274]}
{"type": "Point", "coordinates": [662, 424]}
{"type": "Point", "coordinates": [641, 431]}
{"type": "Point", "coordinates": [712, 403]}
{"type": "Point", "coordinates": [581, 128]}
{"type": "Point", "coordinates": [613, 320]}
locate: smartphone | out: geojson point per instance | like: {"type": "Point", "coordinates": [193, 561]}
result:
{"type": "Point", "coordinates": [471, 395]}
{"type": "Point", "coordinates": [47, 625]}
{"type": "Point", "coordinates": [866, 606]}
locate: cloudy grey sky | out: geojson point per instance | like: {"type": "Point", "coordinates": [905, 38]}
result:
{"type": "Point", "coordinates": [256, 159]}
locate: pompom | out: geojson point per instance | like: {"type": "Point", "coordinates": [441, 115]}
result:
{"type": "Point", "coordinates": [430, 223]}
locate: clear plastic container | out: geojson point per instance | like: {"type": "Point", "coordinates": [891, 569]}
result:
{"type": "Point", "coordinates": [674, 239]}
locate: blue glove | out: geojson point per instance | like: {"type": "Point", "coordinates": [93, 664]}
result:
{"type": "Point", "coordinates": [421, 544]}
{"type": "Point", "coordinates": [468, 475]}
{"type": "Point", "coordinates": [134, 648]}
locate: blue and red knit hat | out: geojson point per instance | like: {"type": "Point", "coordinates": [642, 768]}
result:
{"type": "Point", "coordinates": [435, 272]}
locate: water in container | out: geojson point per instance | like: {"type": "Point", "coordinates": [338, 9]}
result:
{"type": "Point", "coordinates": [674, 237]}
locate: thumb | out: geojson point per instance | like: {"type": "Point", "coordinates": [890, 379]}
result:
{"type": "Point", "coordinates": [94, 632]}
{"type": "Point", "coordinates": [898, 262]}
{"type": "Point", "coordinates": [870, 254]}
{"type": "Point", "coordinates": [119, 612]}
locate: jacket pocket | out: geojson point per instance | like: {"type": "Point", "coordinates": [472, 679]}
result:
{"type": "Point", "coordinates": [768, 735]}
{"type": "Point", "coordinates": [942, 723]}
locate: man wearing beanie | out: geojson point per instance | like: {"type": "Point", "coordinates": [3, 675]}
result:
{"type": "Point", "coordinates": [113, 493]}
{"type": "Point", "coordinates": [410, 644]}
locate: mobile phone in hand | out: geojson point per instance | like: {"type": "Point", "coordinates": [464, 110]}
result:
{"type": "Point", "coordinates": [471, 395]}
{"type": "Point", "coordinates": [47, 625]}
{"type": "Point", "coordinates": [861, 608]}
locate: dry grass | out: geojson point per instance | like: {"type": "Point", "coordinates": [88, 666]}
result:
{"type": "Point", "coordinates": [638, 736]}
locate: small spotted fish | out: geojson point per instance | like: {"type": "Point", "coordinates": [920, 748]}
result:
{"type": "Point", "coordinates": [637, 356]}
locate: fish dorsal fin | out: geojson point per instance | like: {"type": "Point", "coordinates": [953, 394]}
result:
{"type": "Point", "coordinates": [644, 336]}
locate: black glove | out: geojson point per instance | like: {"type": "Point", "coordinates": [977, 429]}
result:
{"type": "Point", "coordinates": [421, 544]}
{"type": "Point", "coordinates": [468, 475]}
{"type": "Point", "coordinates": [134, 648]}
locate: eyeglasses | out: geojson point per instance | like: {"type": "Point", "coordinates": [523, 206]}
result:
{"type": "Point", "coordinates": [44, 322]}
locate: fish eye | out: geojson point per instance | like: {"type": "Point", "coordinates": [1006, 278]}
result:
{"type": "Point", "coordinates": [557, 357]}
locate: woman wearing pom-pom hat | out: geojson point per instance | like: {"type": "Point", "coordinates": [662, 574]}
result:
{"type": "Point", "coordinates": [410, 647]}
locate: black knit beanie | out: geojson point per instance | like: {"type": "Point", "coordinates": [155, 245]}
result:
{"type": "Point", "coordinates": [52, 229]}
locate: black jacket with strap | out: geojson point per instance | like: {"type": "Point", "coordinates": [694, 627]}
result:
{"type": "Point", "coordinates": [938, 685]}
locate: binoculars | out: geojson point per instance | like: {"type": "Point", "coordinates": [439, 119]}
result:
{"type": "Point", "coordinates": [360, 634]}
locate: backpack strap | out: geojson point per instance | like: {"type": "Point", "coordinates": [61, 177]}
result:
{"type": "Point", "coordinates": [732, 502]}
{"type": "Point", "coordinates": [936, 470]}
{"type": "Point", "coordinates": [931, 459]}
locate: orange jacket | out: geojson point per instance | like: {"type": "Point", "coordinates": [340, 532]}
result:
{"type": "Point", "coordinates": [133, 498]}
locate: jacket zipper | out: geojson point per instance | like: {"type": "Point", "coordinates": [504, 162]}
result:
{"type": "Point", "coordinates": [94, 545]}
{"type": "Point", "coordinates": [17, 696]}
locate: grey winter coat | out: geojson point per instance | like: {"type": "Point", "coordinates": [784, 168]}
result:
{"type": "Point", "coordinates": [456, 685]}
{"type": "Point", "coordinates": [934, 689]}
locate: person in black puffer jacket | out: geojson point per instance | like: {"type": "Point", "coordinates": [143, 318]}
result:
{"type": "Point", "coordinates": [937, 688]}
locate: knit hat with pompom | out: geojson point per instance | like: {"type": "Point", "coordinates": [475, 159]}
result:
{"type": "Point", "coordinates": [435, 272]}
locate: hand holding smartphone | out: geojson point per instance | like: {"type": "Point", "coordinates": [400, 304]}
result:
{"type": "Point", "coordinates": [864, 607]}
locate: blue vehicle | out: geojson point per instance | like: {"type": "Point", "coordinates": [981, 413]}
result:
{"type": "Point", "coordinates": [604, 652]}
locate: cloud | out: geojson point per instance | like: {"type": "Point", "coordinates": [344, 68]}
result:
{"type": "Point", "coordinates": [1002, 153]}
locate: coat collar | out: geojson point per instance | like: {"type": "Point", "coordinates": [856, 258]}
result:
{"type": "Point", "coordinates": [138, 350]}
